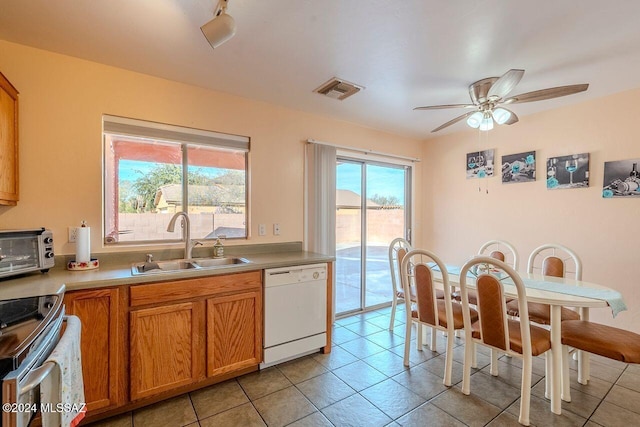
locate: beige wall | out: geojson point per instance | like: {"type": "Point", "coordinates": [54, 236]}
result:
{"type": "Point", "coordinates": [62, 100]}
{"type": "Point", "coordinates": [604, 232]}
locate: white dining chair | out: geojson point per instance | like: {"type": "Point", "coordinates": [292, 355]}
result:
{"type": "Point", "coordinates": [397, 250]}
{"type": "Point", "coordinates": [502, 250]}
{"type": "Point", "coordinates": [417, 271]}
{"type": "Point", "coordinates": [495, 329]}
{"type": "Point", "coordinates": [556, 261]}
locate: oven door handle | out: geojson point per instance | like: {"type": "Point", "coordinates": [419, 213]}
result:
{"type": "Point", "coordinates": [36, 376]}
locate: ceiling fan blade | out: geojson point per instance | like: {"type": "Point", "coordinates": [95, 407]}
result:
{"type": "Point", "coordinates": [441, 107]}
{"type": "Point", "coordinates": [505, 84]}
{"type": "Point", "coordinates": [456, 120]}
{"type": "Point", "coordinates": [554, 92]}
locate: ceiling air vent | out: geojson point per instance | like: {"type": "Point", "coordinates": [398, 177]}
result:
{"type": "Point", "coordinates": [338, 89]}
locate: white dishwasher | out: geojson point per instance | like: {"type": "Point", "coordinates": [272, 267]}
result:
{"type": "Point", "coordinates": [295, 312]}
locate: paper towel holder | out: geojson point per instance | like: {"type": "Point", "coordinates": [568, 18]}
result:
{"type": "Point", "coordinates": [83, 259]}
{"type": "Point", "coordinates": [79, 266]}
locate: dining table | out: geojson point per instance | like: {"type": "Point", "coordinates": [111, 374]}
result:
{"type": "Point", "coordinates": [558, 293]}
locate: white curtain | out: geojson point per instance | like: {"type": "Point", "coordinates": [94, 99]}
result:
{"type": "Point", "coordinates": [321, 199]}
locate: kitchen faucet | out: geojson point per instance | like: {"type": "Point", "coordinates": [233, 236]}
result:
{"type": "Point", "coordinates": [186, 225]}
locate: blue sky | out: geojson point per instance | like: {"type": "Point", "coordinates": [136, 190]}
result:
{"type": "Point", "coordinates": [130, 170]}
{"type": "Point", "coordinates": [385, 181]}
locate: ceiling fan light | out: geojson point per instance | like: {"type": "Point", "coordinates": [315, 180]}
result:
{"type": "Point", "coordinates": [487, 123]}
{"type": "Point", "coordinates": [501, 116]}
{"type": "Point", "coordinates": [475, 119]}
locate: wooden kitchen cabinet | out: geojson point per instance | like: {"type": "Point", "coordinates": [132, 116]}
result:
{"type": "Point", "coordinates": [186, 331]}
{"type": "Point", "coordinates": [8, 143]}
{"type": "Point", "coordinates": [234, 332]}
{"type": "Point", "coordinates": [101, 312]}
{"type": "Point", "coordinates": [166, 347]}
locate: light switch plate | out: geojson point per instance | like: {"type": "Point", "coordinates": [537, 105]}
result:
{"type": "Point", "coordinates": [276, 229]}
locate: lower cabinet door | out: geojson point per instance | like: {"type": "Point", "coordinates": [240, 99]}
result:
{"type": "Point", "coordinates": [234, 332]}
{"type": "Point", "coordinates": [166, 348]}
{"type": "Point", "coordinates": [101, 344]}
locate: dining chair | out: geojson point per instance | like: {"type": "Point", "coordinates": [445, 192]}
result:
{"type": "Point", "coordinates": [595, 338]}
{"type": "Point", "coordinates": [495, 329]}
{"type": "Point", "coordinates": [556, 261]}
{"type": "Point", "coordinates": [553, 260]}
{"type": "Point", "coordinates": [398, 248]}
{"type": "Point", "coordinates": [417, 270]}
{"type": "Point", "coordinates": [500, 250]}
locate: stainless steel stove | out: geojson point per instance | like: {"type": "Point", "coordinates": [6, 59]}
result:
{"type": "Point", "coordinates": [29, 331]}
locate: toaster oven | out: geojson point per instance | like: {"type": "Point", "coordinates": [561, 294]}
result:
{"type": "Point", "coordinates": [23, 251]}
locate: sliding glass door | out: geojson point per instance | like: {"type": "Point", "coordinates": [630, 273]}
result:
{"type": "Point", "coordinates": [372, 209]}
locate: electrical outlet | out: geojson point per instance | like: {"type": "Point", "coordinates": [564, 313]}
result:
{"type": "Point", "coordinates": [73, 234]}
{"type": "Point", "coordinates": [276, 229]}
{"type": "Point", "coordinates": [262, 230]}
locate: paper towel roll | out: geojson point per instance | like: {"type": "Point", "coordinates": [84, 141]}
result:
{"type": "Point", "coordinates": [83, 244]}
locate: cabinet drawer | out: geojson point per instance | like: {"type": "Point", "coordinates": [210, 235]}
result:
{"type": "Point", "coordinates": [164, 292]}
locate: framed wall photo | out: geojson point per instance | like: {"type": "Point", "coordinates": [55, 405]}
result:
{"type": "Point", "coordinates": [568, 171]}
{"type": "Point", "coordinates": [621, 179]}
{"type": "Point", "coordinates": [519, 167]}
{"type": "Point", "coordinates": [480, 164]}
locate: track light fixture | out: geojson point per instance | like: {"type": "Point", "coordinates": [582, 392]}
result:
{"type": "Point", "coordinates": [221, 28]}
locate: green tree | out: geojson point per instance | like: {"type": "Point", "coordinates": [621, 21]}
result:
{"type": "Point", "coordinates": [146, 186]}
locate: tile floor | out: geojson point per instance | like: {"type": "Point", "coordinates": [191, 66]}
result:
{"type": "Point", "coordinates": [363, 382]}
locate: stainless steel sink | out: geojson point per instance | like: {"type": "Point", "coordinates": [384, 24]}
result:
{"type": "Point", "coordinates": [218, 262]}
{"type": "Point", "coordinates": [183, 264]}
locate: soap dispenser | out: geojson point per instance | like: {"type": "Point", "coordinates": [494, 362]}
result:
{"type": "Point", "coordinates": [218, 249]}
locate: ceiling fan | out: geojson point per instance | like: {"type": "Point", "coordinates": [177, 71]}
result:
{"type": "Point", "coordinates": [488, 95]}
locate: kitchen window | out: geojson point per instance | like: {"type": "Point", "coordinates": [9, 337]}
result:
{"type": "Point", "coordinates": [153, 170]}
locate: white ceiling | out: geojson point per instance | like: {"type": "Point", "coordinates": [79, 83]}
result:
{"type": "Point", "coordinates": [405, 53]}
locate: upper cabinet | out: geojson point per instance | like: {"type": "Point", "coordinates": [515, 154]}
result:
{"type": "Point", "coordinates": [8, 143]}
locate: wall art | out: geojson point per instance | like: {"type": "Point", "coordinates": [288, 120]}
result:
{"type": "Point", "coordinates": [480, 164]}
{"type": "Point", "coordinates": [568, 171]}
{"type": "Point", "coordinates": [519, 167]}
{"type": "Point", "coordinates": [621, 179]}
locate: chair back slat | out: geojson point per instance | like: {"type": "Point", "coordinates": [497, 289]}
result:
{"type": "Point", "coordinates": [401, 253]}
{"type": "Point", "coordinates": [553, 266]}
{"type": "Point", "coordinates": [493, 319]}
{"type": "Point", "coordinates": [425, 295]}
{"type": "Point", "coordinates": [398, 248]}
{"type": "Point", "coordinates": [497, 255]}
